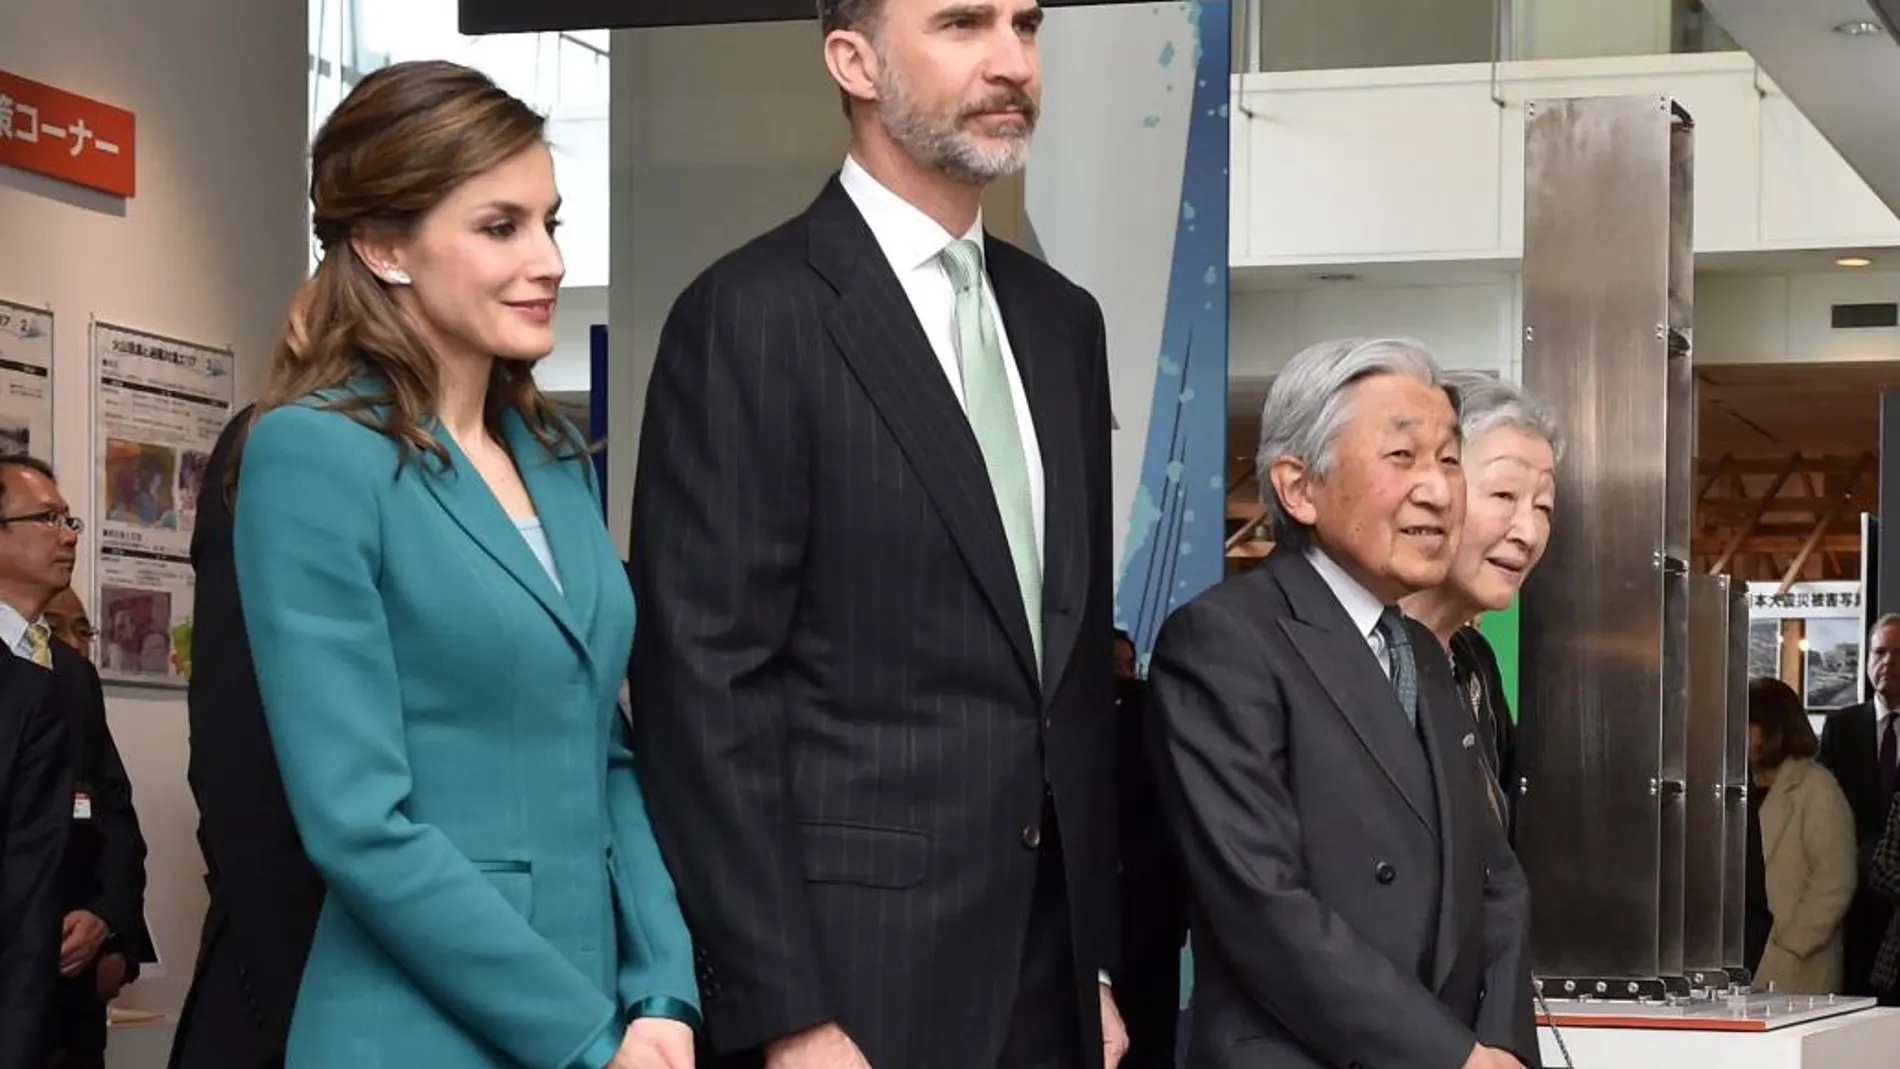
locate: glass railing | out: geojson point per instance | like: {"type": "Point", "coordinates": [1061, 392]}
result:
{"type": "Point", "coordinates": [1293, 35]}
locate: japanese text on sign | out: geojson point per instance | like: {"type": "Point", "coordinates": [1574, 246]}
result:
{"type": "Point", "coordinates": [67, 136]}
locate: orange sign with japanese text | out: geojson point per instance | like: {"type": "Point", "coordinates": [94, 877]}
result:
{"type": "Point", "coordinates": [66, 136]}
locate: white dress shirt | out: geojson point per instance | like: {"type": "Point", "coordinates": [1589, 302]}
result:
{"type": "Point", "coordinates": [1359, 603]}
{"type": "Point", "coordinates": [13, 632]}
{"type": "Point", "coordinates": [912, 241]}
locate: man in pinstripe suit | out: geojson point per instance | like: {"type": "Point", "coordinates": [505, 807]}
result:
{"type": "Point", "coordinates": [872, 683]}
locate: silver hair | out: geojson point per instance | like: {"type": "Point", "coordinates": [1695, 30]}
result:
{"type": "Point", "coordinates": [1887, 619]}
{"type": "Point", "coordinates": [1309, 406]}
{"type": "Point", "coordinates": [1486, 403]}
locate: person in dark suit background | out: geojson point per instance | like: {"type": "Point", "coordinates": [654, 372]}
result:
{"type": "Point", "coordinates": [102, 872]}
{"type": "Point", "coordinates": [38, 546]}
{"type": "Point", "coordinates": [1860, 745]}
{"type": "Point", "coordinates": [265, 894]}
{"type": "Point", "coordinates": [1354, 899]}
{"type": "Point", "coordinates": [1154, 903]}
{"type": "Point", "coordinates": [871, 683]}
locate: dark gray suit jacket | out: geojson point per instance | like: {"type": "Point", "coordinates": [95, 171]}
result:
{"type": "Point", "coordinates": [36, 805]}
{"type": "Point", "coordinates": [845, 741]}
{"type": "Point", "coordinates": [1354, 900]}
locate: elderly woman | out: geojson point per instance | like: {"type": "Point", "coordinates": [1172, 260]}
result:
{"type": "Point", "coordinates": [1510, 455]}
{"type": "Point", "coordinates": [1805, 834]}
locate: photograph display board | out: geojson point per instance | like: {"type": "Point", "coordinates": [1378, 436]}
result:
{"type": "Point", "coordinates": [26, 381]}
{"type": "Point", "coordinates": [160, 404]}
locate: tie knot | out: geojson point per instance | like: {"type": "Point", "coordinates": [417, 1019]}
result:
{"type": "Point", "coordinates": [963, 262]}
{"type": "Point", "coordinates": [1392, 626]}
{"type": "Point", "coordinates": [40, 637]}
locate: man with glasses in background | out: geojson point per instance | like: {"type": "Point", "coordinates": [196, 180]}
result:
{"type": "Point", "coordinates": [71, 624]}
{"type": "Point", "coordinates": [101, 876]}
{"type": "Point", "coordinates": [38, 538]}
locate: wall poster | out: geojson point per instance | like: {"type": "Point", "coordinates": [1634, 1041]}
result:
{"type": "Point", "coordinates": [26, 381]}
{"type": "Point", "coordinates": [160, 404]}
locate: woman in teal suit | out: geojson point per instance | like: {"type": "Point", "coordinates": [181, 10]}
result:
{"type": "Point", "coordinates": [440, 622]}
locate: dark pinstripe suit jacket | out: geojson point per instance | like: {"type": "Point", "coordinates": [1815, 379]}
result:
{"type": "Point", "coordinates": [845, 742]}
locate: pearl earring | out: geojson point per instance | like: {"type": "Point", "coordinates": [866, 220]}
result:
{"type": "Point", "coordinates": [395, 276]}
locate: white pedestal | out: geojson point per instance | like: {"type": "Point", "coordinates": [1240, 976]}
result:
{"type": "Point", "coordinates": [140, 1043]}
{"type": "Point", "coordinates": [1864, 1039]}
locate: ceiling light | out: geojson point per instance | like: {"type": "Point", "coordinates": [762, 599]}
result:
{"type": "Point", "coordinates": [1853, 261]}
{"type": "Point", "coordinates": [1859, 28]}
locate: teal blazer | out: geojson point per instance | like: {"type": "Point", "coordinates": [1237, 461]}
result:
{"type": "Point", "coordinates": [454, 755]}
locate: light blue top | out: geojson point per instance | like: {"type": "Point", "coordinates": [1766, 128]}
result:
{"type": "Point", "coordinates": [537, 536]}
{"type": "Point", "coordinates": [444, 713]}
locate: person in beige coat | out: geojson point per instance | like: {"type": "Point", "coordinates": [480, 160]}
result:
{"type": "Point", "coordinates": [1807, 843]}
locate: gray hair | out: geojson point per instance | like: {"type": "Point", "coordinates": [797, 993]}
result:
{"type": "Point", "coordinates": [859, 15]}
{"type": "Point", "coordinates": [1308, 407]}
{"type": "Point", "coordinates": [1887, 619]}
{"type": "Point", "coordinates": [1486, 403]}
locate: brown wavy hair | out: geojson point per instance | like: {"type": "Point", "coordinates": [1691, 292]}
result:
{"type": "Point", "coordinates": [396, 146]}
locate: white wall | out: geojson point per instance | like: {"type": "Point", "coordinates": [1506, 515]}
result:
{"type": "Point", "coordinates": [579, 136]}
{"type": "Point", "coordinates": [1773, 319]}
{"type": "Point", "coordinates": [1739, 319]}
{"type": "Point", "coordinates": [1472, 325]}
{"type": "Point", "coordinates": [211, 249]}
{"type": "Point", "coordinates": [1427, 163]}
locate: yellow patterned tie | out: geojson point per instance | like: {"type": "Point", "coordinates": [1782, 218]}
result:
{"type": "Point", "coordinates": [41, 638]}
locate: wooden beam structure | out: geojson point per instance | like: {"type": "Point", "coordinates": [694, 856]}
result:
{"type": "Point", "coordinates": [1785, 518]}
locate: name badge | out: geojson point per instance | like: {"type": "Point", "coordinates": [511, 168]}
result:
{"type": "Point", "coordinates": [82, 806]}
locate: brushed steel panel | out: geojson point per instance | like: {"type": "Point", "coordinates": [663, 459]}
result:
{"type": "Point", "coordinates": [1737, 782]}
{"type": "Point", "coordinates": [1679, 455]}
{"type": "Point", "coordinates": [1705, 802]}
{"type": "Point", "coordinates": [1672, 845]}
{"type": "Point", "coordinates": [1595, 744]}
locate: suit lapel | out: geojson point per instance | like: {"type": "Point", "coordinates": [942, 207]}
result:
{"type": "Point", "coordinates": [1352, 677]}
{"type": "Point", "coordinates": [569, 516]}
{"type": "Point", "coordinates": [1450, 753]}
{"type": "Point", "coordinates": [877, 332]}
{"type": "Point", "coordinates": [1045, 356]}
{"type": "Point", "coordinates": [473, 506]}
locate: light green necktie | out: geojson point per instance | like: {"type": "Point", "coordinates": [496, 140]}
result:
{"type": "Point", "coordinates": [992, 415]}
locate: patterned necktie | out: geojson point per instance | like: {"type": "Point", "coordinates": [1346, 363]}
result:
{"type": "Point", "coordinates": [1398, 648]}
{"type": "Point", "coordinates": [992, 415]}
{"type": "Point", "coordinates": [40, 638]}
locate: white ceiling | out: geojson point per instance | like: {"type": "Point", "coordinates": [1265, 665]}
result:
{"type": "Point", "coordinates": [1846, 86]}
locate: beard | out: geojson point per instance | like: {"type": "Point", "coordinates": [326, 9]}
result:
{"type": "Point", "coordinates": [943, 141]}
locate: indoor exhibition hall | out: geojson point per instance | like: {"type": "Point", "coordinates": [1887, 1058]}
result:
{"type": "Point", "coordinates": [949, 534]}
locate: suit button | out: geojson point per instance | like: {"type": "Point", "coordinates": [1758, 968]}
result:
{"type": "Point", "coordinates": [1385, 873]}
{"type": "Point", "coordinates": [1032, 836]}
{"type": "Point", "coordinates": [1048, 722]}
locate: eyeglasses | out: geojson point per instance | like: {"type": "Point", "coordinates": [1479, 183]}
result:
{"type": "Point", "coordinates": [48, 518]}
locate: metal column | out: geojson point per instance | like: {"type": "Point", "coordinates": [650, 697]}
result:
{"type": "Point", "coordinates": [1608, 301]}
